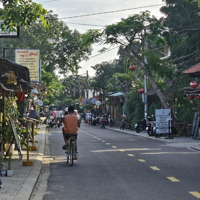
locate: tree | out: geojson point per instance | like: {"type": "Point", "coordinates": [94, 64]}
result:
{"type": "Point", "coordinates": [183, 35]}
{"type": "Point", "coordinates": [140, 31]}
{"type": "Point", "coordinates": [21, 13]}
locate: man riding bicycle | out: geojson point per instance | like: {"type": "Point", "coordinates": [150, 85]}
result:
{"type": "Point", "coordinates": [71, 125]}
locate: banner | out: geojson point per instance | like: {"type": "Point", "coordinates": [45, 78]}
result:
{"type": "Point", "coordinates": [31, 59]}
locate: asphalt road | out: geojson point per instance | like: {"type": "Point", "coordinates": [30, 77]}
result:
{"type": "Point", "coordinates": [118, 166]}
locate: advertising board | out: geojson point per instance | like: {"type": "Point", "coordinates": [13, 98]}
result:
{"type": "Point", "coordinates": [163, 121]}
{"type": "Point", "coordinates": [31, 59]}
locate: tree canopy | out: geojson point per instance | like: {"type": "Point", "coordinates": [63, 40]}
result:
{"type": "Point", "coordinates": [21, 13]}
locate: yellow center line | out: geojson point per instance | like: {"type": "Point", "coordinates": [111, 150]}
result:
{"type": "Point", "coordinates": [141, 160]}
{"type": "Point", "coordinates": [122, 150]}
{"type": "Point", "coordinates": [131, 155]}
{"type": "Point", "coordinates": [154, 168]}
{"type": "Point", "coordinates": [173, 179]}
{"type": "Point", "coordinates": [195, 194]}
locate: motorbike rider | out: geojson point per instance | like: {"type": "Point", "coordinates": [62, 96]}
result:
{"type": "Point", "coordinates": [71, 125]}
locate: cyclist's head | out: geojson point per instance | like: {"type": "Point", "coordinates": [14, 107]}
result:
{"type": "Point", "coordinates": [71, 109]}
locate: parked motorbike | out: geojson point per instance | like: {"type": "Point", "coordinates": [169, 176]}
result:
{"type": "Point", "coordinates": [140, 125]}
{"type": "Point", "coordinates": [151, 128]}
{"type": "Point", "coordinates": [102, 122]}
{"type": "Point", "coordinates": [52, 123]}
{"type": "Point", "coordinates": [126, 124]}
{"type": "Point", "coordinates": [94, 120]}
{"type": "Point", "coordinates": [110, 120]}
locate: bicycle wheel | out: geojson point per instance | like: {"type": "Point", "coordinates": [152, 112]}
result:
{"type": "Point", "coordinates": [67, 157]}
{"type": "Point", "coordinates": [72, 152]}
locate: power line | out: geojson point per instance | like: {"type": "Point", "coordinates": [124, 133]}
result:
{"type": "Point", "coordinates": [50, 1]}
{"type": "Point", "coordinates": [103, 52]}
{"type": "Point", "coordinates": [86, 24]}
{"type": "Point", "coordinates": [108, 12]}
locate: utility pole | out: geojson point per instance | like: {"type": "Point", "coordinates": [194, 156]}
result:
{"type": "Point", "coordinates": [115, 84]}
{"type": "Point", "coordinates": [87, 83]}
{"type": "Point", "coordinates": [145, 82]}
{"type": "Point", "coordinates": [145, 97]}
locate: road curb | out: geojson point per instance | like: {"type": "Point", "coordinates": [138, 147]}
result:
{"type": "Point", "coordinates": [165, 140]}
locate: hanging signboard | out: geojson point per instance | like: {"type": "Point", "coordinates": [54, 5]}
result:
{"type": "Point", "coordinates": [8, 34]}
{"type": "Point", "coordinates": [31, 59]}
{"type": "Point", "coordinates": [163, 121]}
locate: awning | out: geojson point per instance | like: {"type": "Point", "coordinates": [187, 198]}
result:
{"type": "Point", "coordinates": [21, 73]}
{"type": "Point", "coordinates": [193, 71]}
{"type": "Point", "coordinates": [117, 94]}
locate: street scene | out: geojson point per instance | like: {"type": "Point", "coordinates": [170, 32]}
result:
{"type": "Point", "coordinates": [99, 100]}
{"type": "Point", "coordinates": [120, 165]}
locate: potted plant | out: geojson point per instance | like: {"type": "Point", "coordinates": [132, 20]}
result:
{"type": "Point", "coordinates": [9, 170]}
{"type": "Point", "coordinates": [2, 169]}
{"type": "Point", "coordinates": [8, 137]}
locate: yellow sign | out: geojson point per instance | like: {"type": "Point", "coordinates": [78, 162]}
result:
{"type": "Point", "coordinates": [31, 59]}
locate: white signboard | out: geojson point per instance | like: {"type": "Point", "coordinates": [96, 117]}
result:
{"type": "Point", "coordinates": [163, 118]}
{"type": "Point", "coordinates": [31, 59]}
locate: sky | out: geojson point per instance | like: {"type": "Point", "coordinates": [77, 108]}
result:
{"type": "Point", "coordinates": [71, 11]}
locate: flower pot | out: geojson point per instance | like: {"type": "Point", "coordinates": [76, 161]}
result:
{"type": "Point", "coordinates": [3, 172]}
{"type": "Point", "coordinates": [9, 172]}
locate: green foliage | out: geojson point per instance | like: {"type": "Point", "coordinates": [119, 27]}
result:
{"type": "Point", "coordinates": [53, 85]}
{"type": "Point", "coordinates": [159, 67]}
{"type": "Point", "coordinates": [11, 107]}
{"type": "Point", "coordinates": [104, 72]}
{"type": "Point", "coordinates": [22, 13]}
{"type": "Point", "coordinates": [134, 107]}
{"type": "Point", "coordinates": [9, 161]}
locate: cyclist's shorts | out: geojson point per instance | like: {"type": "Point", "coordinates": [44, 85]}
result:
{"type": "Point", "coordinates": [67, 136]}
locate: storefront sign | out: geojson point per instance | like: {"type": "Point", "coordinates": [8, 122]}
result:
{"type": "Point", "coordinates": [31, 59]}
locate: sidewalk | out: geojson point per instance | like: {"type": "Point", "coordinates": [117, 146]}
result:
{"type": "Point", "coordinates": [185, 142]}
{"type": "Point", "coordinates": [21, 184]}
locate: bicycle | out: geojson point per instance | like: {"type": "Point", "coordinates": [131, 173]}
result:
{"type": "Point", "coordinates": [71, 155]}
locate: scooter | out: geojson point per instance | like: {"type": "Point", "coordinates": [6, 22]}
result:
{"type": "Point", "coordinates": [151, 128]}
{"type": "Point", "coordinates": [110, 121]}
{"type": "Point", "coordinates": [125, 124]}
{"type": "Point", "coordinates": [94, 120]}
{"type": "Point", "coordinates": [140, 125]}
{"type": "Point", "coordinates": [102, 122]}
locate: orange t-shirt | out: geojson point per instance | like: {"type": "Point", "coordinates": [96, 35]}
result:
{"type": "Point", "coordinates": [70, 124]}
